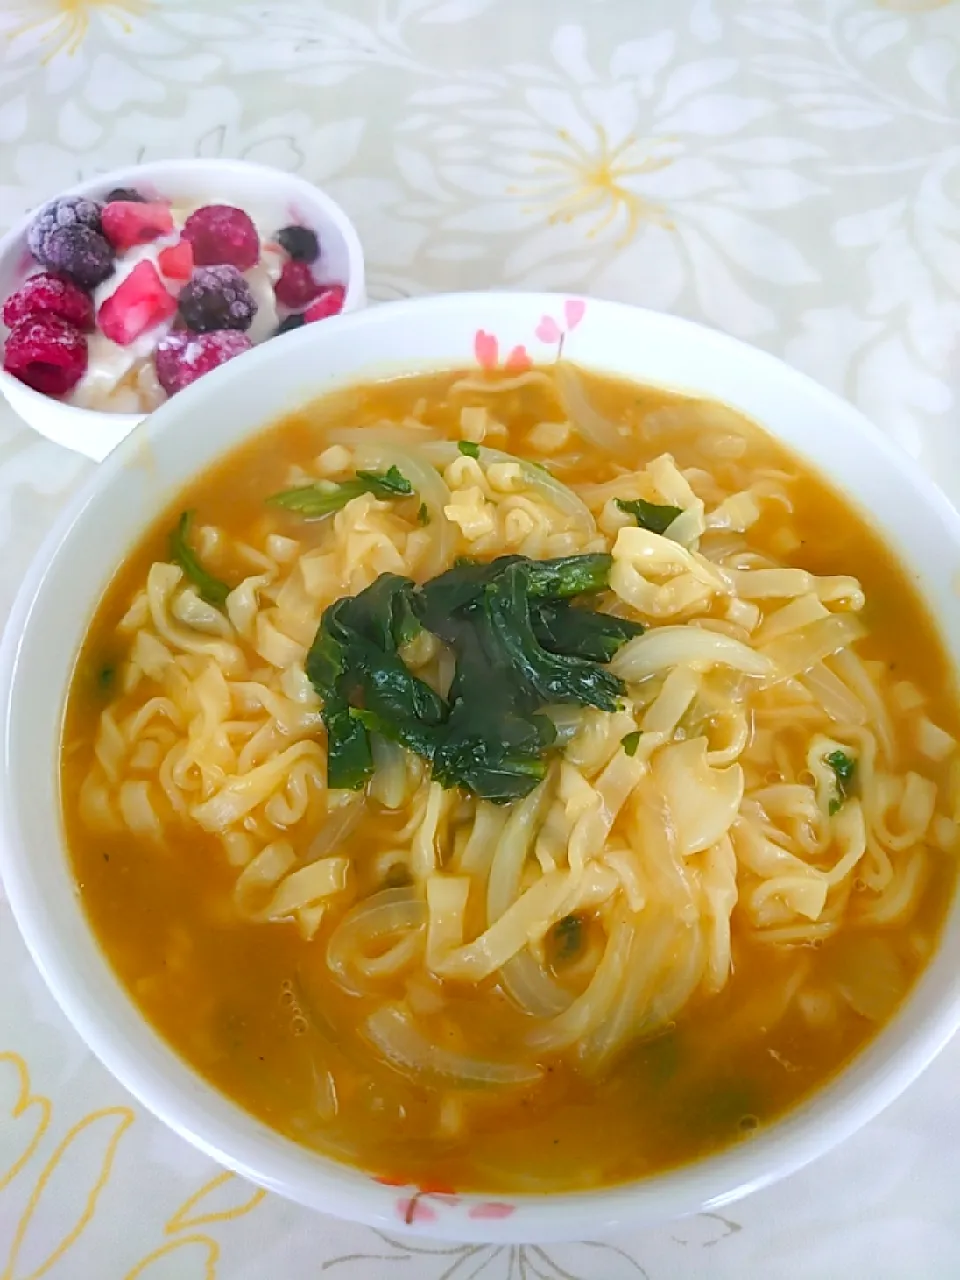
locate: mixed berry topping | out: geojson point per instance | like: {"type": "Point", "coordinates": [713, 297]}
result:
{"type": "Point", "coordinates": [183, 357]}
{"type": "Point", "coordinates": [176, 261]}
{"type": "Point", "coordinates": [168, 295]}
{"type": "Point", "coordinates": [123, 193]}
{"type": "Point", "coordinates": [328, 303]}
{"type": "Point", "coordinates": [221, 234]}
{"type": "Point", "coordinates": [47, 294]}
{"type": "Point", "coordinates": [300, 243]}
{"type": "Point", "coordinates": [296, 286]}
{"type": "Point", "coordinates": [47, 353]}
{"type": "Point", "coordinates": [217, 298]}
{"type": "Point", "coordinates": [295, 321]}
{"type": "Point", "coordinates": [140, 303]}
{"type": "Point", "coordinates": [130, 222]}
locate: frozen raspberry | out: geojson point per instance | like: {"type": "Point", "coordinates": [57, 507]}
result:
{"type": "Point", "coordinates": [124, 193]}
{"type": "Point", "coordinates": [46, 353]}
{"type": "Point", "coordinates": [296, 285]}
{"type": "Point", "coordinates": [68, 211]}
{"type": "Point", "coordinates": [130, 222]}
{"type": "Point", "coordinates": [183, 357]}
{"type": "Point", "coordinates": [296, 321]}
{"type": "Point", "coordinates": [47, 294]}
{"type": "Point", "coordinates": [328, 303]}
{"type": "Point", "coordinates": [176, 261]}
{"type": "Point", "coordinates": [300, 243]}
{"type": "Point", "coordinates": [138, 304]}
{"type": "Point", "coordinates": [80, 253]}
{"type": "Point", "coordinates": [217, 298]}
{"type": "Point", "coordinates": [220, 234]}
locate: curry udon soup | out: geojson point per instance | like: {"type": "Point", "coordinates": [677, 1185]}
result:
{"type": "Point", "coordinates": [513, 782]}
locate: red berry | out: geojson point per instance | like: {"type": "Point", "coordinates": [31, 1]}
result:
{"type": "Point", "coordinates": [176, 262]}
{"type": "Point", "coordinates": [182, 357]}
{"type": "Point", "coordinates": [296, 286]}
{"type": "Point", "coordinates": [46, 353]}
{"type": "Point", "coordinates": [130, 222]}
{"type": "Point", "coordinates": [48, 294]}
{"type": "Point", "coordinates": [221, 234]}
{"type": "Point", "coordinates": [138, 304]}
{"type": "Point", "coordinates": [328, 303]}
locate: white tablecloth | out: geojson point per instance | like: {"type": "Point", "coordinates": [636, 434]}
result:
{"type": "Point", "coordinates": [788, 170]}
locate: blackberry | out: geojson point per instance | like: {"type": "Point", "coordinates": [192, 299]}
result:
{"type": "Point", "coordinates": [127, 194]}
{"type": "Point", "coordinates": [217, 298]}
{"type": "Point", "coordinates": [291, 322]}
{"type": "Point", "coordinates": [68, 211]}
{"type": "Point", "coordinates": [300, 243]}
{"type": "Point", "coordinates": [80, 253]}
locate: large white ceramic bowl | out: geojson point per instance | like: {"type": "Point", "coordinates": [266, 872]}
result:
{"type": "Point", "coordinates": [197, 426]}
{"type": "Point", "coordinates": [254, 187]}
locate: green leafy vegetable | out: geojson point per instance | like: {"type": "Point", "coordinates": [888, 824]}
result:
{"type": "Point", "coordinates": [105, 677]}
{"type": "Point", "coordinates": [210, 588]}
{"type": "Point", "coordinates": [845, 770]}
{"type": "Point", "coordinates": [568, 937]}
{"type": "Point", "coordinates": [649, 515]}
{"type": "Point", "coordinates": [314, 501]}
{"type": "Point", "coordinates": [468, 448]}
{"type": "Point", "coordinates": [630, 742]}
{"type": "Point", "coordinates": [561, 627]}
{"type": "Point", "coordinates": [517, 647]}
{"type": "Point", "coordinates": [423, 514]}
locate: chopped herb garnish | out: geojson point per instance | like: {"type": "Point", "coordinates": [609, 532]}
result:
{"type": "Point", "coordinates": [568, 936]}
{"type": "Point", "coordinates": [519, 646]}
{"type": "Point", "coordinates": [211, 589]}
{"type": "Point", "coordinates": [314, 501]}
{"type": "Point", "coordinates": [649, 515]}
{"type": "Point", "coordinates": [105, 677]}
{"type": "Point", "coordinates": [844, 768]}
{"type": "Point", "coordinates": [423, 515]}
{"type": "Point", "coordinates": [469, 448]}
{"type": "Point", "coordinates": [630, 742]}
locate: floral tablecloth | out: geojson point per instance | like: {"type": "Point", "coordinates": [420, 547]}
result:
{"type": "Point", "coordinates": [787, 170]}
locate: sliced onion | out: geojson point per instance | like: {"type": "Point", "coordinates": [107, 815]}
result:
{"type": "Point", "coordinates": [340, 822]}
{"type": "Point", "coordinates": [394, 1034]}
{"type": "Point", "coordinates": [586, 420]}
{"type": "Point", "coordinates": [532, 988]}
{"type": "Point", "coordinates": [365, 930]}
{"type": "Point", "coordinates": [548, 486]}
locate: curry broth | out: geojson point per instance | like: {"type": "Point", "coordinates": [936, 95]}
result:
{"type": "Point", "coordinates": [253, 1006]}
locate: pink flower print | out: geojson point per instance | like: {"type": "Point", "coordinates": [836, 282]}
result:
{"type": "Point", "coordinates": [486, 348]}
{"type": "Point", "coordinates": [493, 1209]}
{"type": "Point", "coordinates": [553, 331]}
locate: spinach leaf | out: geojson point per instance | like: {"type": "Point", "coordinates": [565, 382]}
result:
{"type": "Point", "coordinates": [563, 628]}
{"type": "Point", "coordinates": [649, 515]}
{"type": "Point", "coordinates": [568, 937]}
{"type": "Point", "coordinates": [349, 755]}
{"type": "Point", "coordinates": [211, 589]}
{"type": "Point", "coordinates": [845, 770]}
{"type": "Point", "coordinates": [469, 448]}
{"type": "Point", "coordinates": [423, 514]}
{"type": "Point", "coordinates": [630, 742]}
{"type": "Point", "coordinates": [314, 501]}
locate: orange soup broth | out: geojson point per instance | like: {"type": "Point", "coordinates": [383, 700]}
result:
{"type": "Point", "coordinates": [253, 1007]}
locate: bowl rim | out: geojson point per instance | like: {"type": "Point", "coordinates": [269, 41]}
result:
{"type": "Point", "coordinates": [200, 1113]}
{"type": "Point", "coordinates": [15, 238]}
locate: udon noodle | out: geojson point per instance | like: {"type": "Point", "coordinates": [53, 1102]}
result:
{"type": "Point", "coordinates": [746, 856]}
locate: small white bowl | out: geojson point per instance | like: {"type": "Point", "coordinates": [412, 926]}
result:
{"type": "Point", "coordinates": [188, 433]}
{"type": "Point", "coordinates": [94, 432]}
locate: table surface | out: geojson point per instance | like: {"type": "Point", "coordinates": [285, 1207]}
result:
{"type": "Point", "coordinates": [787, 170]}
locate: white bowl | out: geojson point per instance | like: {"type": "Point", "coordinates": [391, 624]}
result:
{"type": "Point", "coordinates": [93, 432]}
{"type": "Point", "coordinates": [142, 477]}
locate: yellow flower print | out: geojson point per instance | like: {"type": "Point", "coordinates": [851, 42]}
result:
{"type": "Point", "coordinates": [61, 26]}
{"type": "Point", "coordinates": [30, 1113]}
{"type": "Point", "coordinates": [223, 1199]}
{"type": "Point", "coordinates": [66, 1192]}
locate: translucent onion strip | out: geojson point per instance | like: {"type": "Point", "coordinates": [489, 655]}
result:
{"type": "Point", "coordinates": [394, 1035]}
{"type": "Point", "coordinates": [366, 929]}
